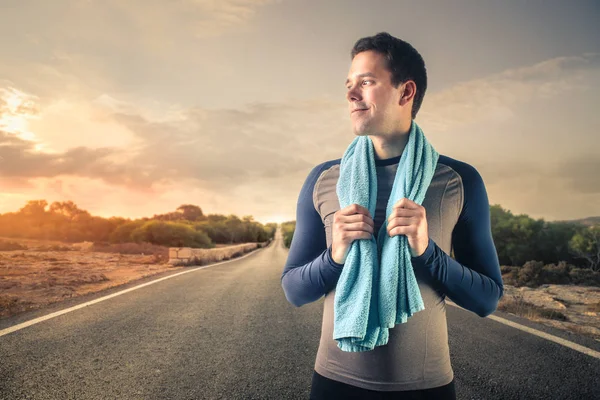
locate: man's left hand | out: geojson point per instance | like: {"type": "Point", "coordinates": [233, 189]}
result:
{"type": "Point", "coordinates": [409, 218]}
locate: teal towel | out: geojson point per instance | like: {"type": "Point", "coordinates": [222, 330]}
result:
{"type": "Point", "coordinates": [377, 287]}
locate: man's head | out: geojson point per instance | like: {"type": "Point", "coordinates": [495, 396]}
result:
{"type": "Point", "coordinates": [386, 84]}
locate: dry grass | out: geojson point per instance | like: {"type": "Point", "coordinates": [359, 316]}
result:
{"type": "Point", "coordinates": [6, 245]}
{"type": "Point", "coordinates": [520, 307]}
{"type": "Point", "coordinates": [31, 279]}
{"type": "Point", "coordinates": [132, 248]}
{"type": "Point", "coordinates": [209, 256]}
{"type": "Point", "coordinates": [594, 307]}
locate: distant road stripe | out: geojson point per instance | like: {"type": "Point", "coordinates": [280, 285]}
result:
{"type": "Point", "coordinates": [556, 339]}
{"type": "Point", "coordinates": [66, 310]}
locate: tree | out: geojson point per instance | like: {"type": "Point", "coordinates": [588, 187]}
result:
{"type": "Point", "coordinates": [190, 212]}
{"type": "Point", "coordinates": [69, 210]}
{"type": "Point", "coordinates": [586, 244]}
{"type": "Point", "coordinates": [34, 208]}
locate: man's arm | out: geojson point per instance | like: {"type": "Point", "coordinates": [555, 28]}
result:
{"type": "Point", "coordinates": [310, 271]}
{"type": "Point", "coordinates": [473, 280]}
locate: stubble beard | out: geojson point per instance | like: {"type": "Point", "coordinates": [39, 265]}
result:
{"type": "Point", "coordinates": [361, 128]}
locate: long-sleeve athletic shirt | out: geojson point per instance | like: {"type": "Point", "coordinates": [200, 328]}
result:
{"type": "Point", "coordinates": [458, 218]}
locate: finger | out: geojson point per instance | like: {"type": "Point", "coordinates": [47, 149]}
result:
{"type": "Point", "coordinates": [359, 226]}
{"type": "Point", "coordinates": [360, 218]}
{"type": "Point", "coordinates": [402, 212]}
{"type": "Point", "coordinates": [355, 209]}
{"type": "Point", "coordinates": [355, 218]}
{"type": "Point", "coordinates": [398, 230]}
{"type": "Point", "coordinates": [406, 203]}
{"type": "Point", "coordinates": [401, 221]}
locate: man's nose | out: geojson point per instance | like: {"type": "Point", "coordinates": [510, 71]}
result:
{"type": "Point", "coordinates": [353, 94]}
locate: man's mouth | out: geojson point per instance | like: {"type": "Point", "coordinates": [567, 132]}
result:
{"type": "Point", "coordinates": [358, 109]}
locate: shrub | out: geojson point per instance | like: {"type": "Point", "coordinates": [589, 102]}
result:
{"type": "Point", "coordinates": [53, 247]}
{"type": "Point", "coordinates": [505, 269]}
{"type": "Point", "coordinates": [585, 276]}
{"type": "Point", "coordinates": [533, 274]}
{"type": "Point", "coordinates": [9, 246]}
{"type": "Point", "coordinates": [171, 234]}
{"type": "Point", "coordinates": [132, 248]}
{"type": "Point", "coordinates": [123, 232]}
{"type": "Point", "coordinates": [557, 274]}
{"type": "Point", "coordinates": [530, 274]}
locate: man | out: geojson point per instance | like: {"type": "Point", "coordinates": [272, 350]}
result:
{"type": "Point", "coordinates": [385, 88]}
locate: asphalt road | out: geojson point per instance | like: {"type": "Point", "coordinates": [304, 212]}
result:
{"type": "Point", "coordinates": [227, 332]}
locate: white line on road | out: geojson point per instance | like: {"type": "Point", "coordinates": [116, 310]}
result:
{"type": "Point", "coordinates": [89, 303]}
{"type": "Point", "coordinates": [541, 334]}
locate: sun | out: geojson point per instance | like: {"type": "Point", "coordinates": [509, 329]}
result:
{"type": "Point", "coordinates": [16, 109]}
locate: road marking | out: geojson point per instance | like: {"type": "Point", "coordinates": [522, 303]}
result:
{"type": "Point", "coordinates": [89, 303]}
{"type": "Point", "coordinates": [547, 336]}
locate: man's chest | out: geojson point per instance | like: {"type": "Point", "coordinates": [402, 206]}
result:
{"type": "Point", "coordinates": [443, 204]}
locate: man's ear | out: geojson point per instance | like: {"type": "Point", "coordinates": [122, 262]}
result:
{"type": "Point", "coordinates": [402, 92]}
{"type": "Point", "coordinates": [405, 93]}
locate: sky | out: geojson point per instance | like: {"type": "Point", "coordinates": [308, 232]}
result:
{"type": "Point", "coordinates": [132, 108]}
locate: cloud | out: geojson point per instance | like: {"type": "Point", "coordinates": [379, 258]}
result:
{"type": "Point", "coordinates": [501, 97]}
{"type": "Point", "coordinates": [86, 47]}
{"type": "Point", "coordinates": [200, 18]}
{"type": "Point", "coordinates": [580, 173]}
{"type": "Point", "coordinates": [226, 148]}
{"type": "Point", "coordinates": [20, 160]}
{"type": "Point", "coordinates": [155, 23]}
{"type": "Point", "coordinates": [222, 150]}
{"type": "Point", "coordinates": [264, 142]}
{"type": "Point", "coordinates": [219, 16]}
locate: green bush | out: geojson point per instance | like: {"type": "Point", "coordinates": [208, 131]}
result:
{"type": "Point", "coordinates": [171, 234]}
{"type": "Point", "coordinates": [287, 231]}
{"type": "Point", "coordinates": [122, 233]}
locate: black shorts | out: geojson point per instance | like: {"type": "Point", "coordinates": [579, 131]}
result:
{"type": "Point", "coordinates": [327, 389]}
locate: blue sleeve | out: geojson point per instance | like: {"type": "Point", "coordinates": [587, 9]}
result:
{"type": "Point", "coordinates": [473, 280]}
{"type": "Point", "coordinates": [309, 271]}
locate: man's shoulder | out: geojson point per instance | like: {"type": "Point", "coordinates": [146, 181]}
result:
{"type": "Point", "coordinates": [313, 178]}
{"type": "Point", "coordinates": [325, 165]}
{"type": "Point", "coordinates": [466, 171]}
{"type": "Point", "coordinates": [473, 187]}
{"type": "Point", "coordinates": [318, 170]}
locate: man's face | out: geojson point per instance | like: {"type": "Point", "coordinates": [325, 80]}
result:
{"type": "Point", "coordinates": [374, 103]}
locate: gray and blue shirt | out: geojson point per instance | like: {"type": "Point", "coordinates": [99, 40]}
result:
{"type": "Point", "coordinates": [458, 218]}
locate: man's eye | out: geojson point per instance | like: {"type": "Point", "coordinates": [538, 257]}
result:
{"type": "Point", "coordinates": [363, 82]}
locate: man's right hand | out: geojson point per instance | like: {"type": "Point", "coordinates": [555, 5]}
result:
{"type": "Point", "coordinates": [349, 223]}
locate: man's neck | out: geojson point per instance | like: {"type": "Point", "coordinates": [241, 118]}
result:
{"type": "Point", "coordinates": [388, 146]}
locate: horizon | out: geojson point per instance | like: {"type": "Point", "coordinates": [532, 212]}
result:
{"type": "Point", "coordinates": [254, 218]}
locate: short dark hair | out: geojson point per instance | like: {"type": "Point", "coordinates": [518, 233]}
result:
{"type": "Point", "coordinates": [403, 61]}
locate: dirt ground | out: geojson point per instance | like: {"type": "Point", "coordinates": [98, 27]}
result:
{"type": "Point", "coordinates": [548, 303]}
{"type": "Point", "coordinates": [34, 279]}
